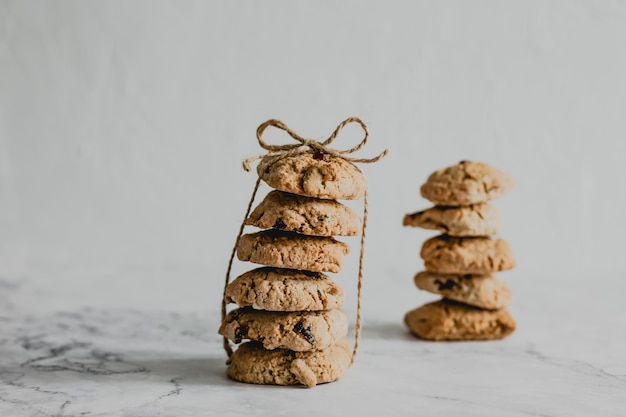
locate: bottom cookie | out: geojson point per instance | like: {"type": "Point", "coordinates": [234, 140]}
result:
{"type": "Point", "coordinates": [449, 320]}
{"type": "Point", "coordinates": [252, 364]}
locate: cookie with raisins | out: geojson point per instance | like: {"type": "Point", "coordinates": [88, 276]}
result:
{"type": "Point", "coordinates": [466, 255]}
{"type": "Point", "coordinates": [466, 183]}
{"type": "Point", "coordinates": [291, 250]}
{"type": "Point", "coordinates": [253, 364]}
{"type": "Point", "coordinates": [315, 175]}
{"type": "Point", "coordinates": [298, 331]}
{"type": "Point", "coordinates": [479, 219]}
{"type": "Point", "coordinates": [277, 289]}
{"type": "Point", "coordinates": [484, 291]}
{"type": "Point", "coordinates": [304, 215]}
{"type": "Point", "coordinates": [449, 320]}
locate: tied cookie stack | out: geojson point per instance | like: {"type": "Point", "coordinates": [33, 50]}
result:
{"type": "Point", "coordinates": [460, 263]}
{"type": "Point", "coordinates": [289, 310]}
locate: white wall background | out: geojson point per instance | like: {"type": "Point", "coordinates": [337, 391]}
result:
{"type": "Point", "coordinates": [123, 124]}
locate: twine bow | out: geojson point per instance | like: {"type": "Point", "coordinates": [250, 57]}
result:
{"type": "Point", "coordinates": [277, 152]}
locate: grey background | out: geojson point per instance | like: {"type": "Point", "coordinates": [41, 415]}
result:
{"type": "Point", "coordinates": [123, 125]}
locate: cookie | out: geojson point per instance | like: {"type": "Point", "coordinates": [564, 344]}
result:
{"type": "Point", "coordinates": [318, 176]}
{"type": "Point", "coordinates": [476, 220]}
{"type": "Point", "coordinates": [304, 215]}
{"type": "Point", "coordinates": [448, 320]}
{"type": "Point", "coordinates": [466, 183]}
{"type": "Point", "coordinates": [252, 364]}
{"type": "Point", "coordinates": [276, 289]}
{"type": "Point", "coordinates": [484, 291]}
{"type": "Point", "coordinates": [466, 255]}
{"type": "Point", "coordinates": [291, 250]}
{"type": "Point", "coordinates": [298, 331]}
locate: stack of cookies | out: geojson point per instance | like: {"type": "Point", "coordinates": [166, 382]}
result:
{"type": "Point", "coordinates": [289, 310]}
{"type": "Point", "coordinates": [460, 263]}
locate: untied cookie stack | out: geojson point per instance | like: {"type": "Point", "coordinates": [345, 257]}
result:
{"type": "Point", "coordinates": [289, 310]}
{"type": "Point", "coordinates": [460, 263]}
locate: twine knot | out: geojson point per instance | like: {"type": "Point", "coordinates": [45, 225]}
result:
{"type": "Point", "coordinates": [319, 149]}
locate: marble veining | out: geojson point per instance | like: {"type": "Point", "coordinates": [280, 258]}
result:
{"type": "Point", "coordinates": [79, 361]}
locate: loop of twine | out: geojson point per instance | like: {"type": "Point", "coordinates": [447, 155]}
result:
{"type": "Point", "coordinates": [277, 152]}
{"type": "Point", "coordinates": [227, 348]}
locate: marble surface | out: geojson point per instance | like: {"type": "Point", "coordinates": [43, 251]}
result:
{"type": "Point", "coordinates": [568, 358]}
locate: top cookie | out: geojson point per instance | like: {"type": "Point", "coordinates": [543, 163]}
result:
{"type": "Point", "coordinates": [304, 215]}
{"type": "Point", "coordinates": [317, 176]}
{"type": "Point", "coordinates": [466, 183]}
{"type": "Point", "coordinates": [475, 220]}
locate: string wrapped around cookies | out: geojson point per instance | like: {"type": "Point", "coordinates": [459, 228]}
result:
{"type": "Point", "coordinates": [289, 310]}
